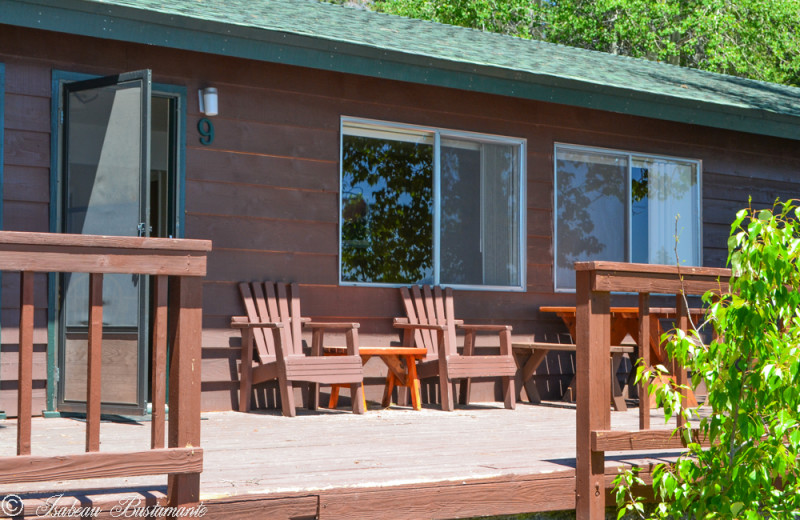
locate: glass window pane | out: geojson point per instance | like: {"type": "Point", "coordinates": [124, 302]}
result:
{"type": "Point", "coordinates": [480, 212]}
{"type": "Point", "coordinates": [103, 190]}
{"type": "Point", "coordinates": [672, 191]}
{"type": "Point", "coordinates": [591, 195]}
{"type": "Point", "coordinates": [387, 210]}
{"type": "Point", "coordinates": [639, 214]}
{"type": "Point", "coordinates": [104, 161]}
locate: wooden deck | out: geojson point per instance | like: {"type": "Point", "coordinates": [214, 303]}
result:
{"type": "Point", "coordinates": [391, 464]}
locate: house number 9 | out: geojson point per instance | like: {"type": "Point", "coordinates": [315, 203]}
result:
{"type": "Point", "coordinates": [206, 129]}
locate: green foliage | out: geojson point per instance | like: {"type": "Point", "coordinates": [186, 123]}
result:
{"type": "Point", "coordinates": [752, 372]}
{"type": "Point", "coordinates": [515, 17]}
{"type": "Point", "coordinates": [757, 39]}
{"type": "Point", "coordinates": [628, 503]}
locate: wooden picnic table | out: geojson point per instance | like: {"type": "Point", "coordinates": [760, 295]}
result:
{"type": "Point", "coordinates": [625, 321]}
{"type": "Point", "coordinates": [529, 355]}
{"type": "Point", "coordinates": [624, 324]}
{"type": "Point", "coordinates": [402, 365]}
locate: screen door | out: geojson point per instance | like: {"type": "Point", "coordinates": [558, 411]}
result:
{"type": "Point", "coordinates": [105, 147]}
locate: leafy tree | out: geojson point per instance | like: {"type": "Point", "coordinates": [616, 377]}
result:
{"type": "Point", "coordinates": [757, 39]}
{"type": "Point", "coordinates": [752, 371]}
{"type": "Point", "coordinates": [515, 17]}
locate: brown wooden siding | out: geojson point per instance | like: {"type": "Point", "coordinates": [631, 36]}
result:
{"type": "Point", "coordinates": [266, 191]}
{"type": "Point", "coordinates": [725, 194]}
{"type": "Point", "coordinates": [26, 199]}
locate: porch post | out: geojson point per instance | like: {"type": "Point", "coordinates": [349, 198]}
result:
{"type": "Point", "coordinates": [185, 324]}
{"type": "Point", "coordinates": [593, 367]}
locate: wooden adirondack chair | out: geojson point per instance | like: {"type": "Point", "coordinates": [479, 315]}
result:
{"type": "Point", "coordinates": [431, 323]}
{"type": "Point", "coordinates": [272, 330]}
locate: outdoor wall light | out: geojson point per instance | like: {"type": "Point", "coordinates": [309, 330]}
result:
{"type": "Point", "coordinates": [208, 101]}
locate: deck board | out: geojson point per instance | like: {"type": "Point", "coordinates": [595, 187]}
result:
{"type": "Point", "coordinates": [260, 457]}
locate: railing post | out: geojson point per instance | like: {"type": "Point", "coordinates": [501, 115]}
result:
{"type": "Point", "coordinates": [159, 365]}
{"type": "Point", "coordinates": [644, 355]}
{"type": "Point", "coordinates": [25, 366]}
{"type": "Point", "coordinates": [95, 362]}
{"type": "Point", "coordinates": [186, 310]}
{"type": "Point", "coordinates": [593, 342]}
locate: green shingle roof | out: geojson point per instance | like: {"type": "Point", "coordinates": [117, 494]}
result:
{"type": "Point", "coordinates": [312, 34]}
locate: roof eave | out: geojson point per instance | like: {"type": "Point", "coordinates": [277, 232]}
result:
{"type": "Point", "coordinates": [166, 30]}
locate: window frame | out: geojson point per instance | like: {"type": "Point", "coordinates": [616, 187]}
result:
{"type": "Point", "coordinates": [437, 134]}
{"type": "Point", "coordinates": [629, 236]}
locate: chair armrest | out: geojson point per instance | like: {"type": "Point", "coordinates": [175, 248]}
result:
{"type": "Point", "coordinates": [241, 322]}
{"type": "Point", "coordinates": [320, 327]}
{"type": "Point", "coordinates": [331, 325]}
{"type": "Point", "coordinates": [484, 328]}
{"type": "Point", "coordinates": [419, 326]}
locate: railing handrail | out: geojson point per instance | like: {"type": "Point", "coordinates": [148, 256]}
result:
{"type": "Point", "coordinates": [648, 269]}
{"type": "Point", "coordinates": [654, 278]}
{"type": "Point", "coordinates": [57, 252]}
{"type": "Point", "coordinates": [121, 242]}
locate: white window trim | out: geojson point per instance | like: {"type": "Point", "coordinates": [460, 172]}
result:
{"type": "Point", "coordinates": [438, 134]}
{"type": "Point", "coordinates": [630, 155]}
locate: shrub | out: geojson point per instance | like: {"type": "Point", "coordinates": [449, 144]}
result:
{"type": "Point", "coordinates": [752, 373]}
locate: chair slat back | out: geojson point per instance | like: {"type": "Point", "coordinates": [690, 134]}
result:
{"type": "Point", "coordinates": [430, 307]}
{"type": "Point", "coordinates": [450, 319]}
{"type": "Point", "coordinates": [289, 310]}
{"type": "Point", "coordinates": [274, 302]}
{"type": "Point", "coordinates": [411, 304]}
{"type": "Point", "coordinates": [297, 323]}
{"type": "Point", "coordinates": [255, 308]}
{"type": "Point", "coordinates": [421, 338]}
{"type": "Point", "coordinates": [274, 313]}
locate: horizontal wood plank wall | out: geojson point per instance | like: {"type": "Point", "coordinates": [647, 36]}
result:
{"type": "Point", "coordinates": [26, 198]}
{"type": "Point", "coordinates": [266, 191]}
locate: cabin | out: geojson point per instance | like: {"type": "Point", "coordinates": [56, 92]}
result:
{"type": "Point", "coordinates": [507, 159]}
{"type": "Point", "coordinates": [351, 153]}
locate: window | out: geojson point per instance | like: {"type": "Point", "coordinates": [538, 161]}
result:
{"type": "Point", "coordinates": [424, 205]}
{"type": "Point", "coordinates": [621, 206]}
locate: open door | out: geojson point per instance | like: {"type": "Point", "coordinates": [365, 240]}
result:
{"type": "Point", "coordinates": [105, 161]}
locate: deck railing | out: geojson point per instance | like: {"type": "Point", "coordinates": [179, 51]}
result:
{"type": "Point", "coordinates": [595, 282]}
{"type": "Point", "coordinates": [177, 268]}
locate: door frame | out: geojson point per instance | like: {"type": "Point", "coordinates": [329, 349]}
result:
{"type": "Point", "coordinates": [2, 159]}
{"type": "Point", "coordinates": [179, 94]}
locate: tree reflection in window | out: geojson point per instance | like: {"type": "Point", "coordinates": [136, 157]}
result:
{"type": "Point", "coordinates": [622, 207]}
{"type": "Point", "coordinates": [387, 211]}
{"type": "Point", "coordinates": [591, 202]}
